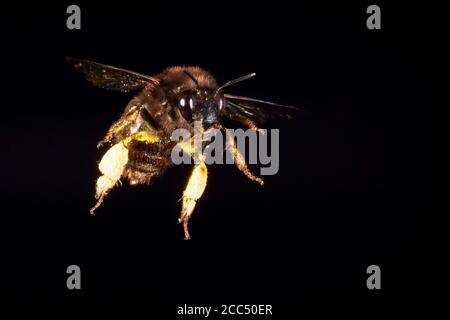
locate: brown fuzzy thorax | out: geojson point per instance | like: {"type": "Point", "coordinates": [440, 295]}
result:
{"type": "Point", "coordinates": [176, 77]}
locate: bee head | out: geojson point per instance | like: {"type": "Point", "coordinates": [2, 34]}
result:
{"type": "Point", "coordinates": [194, 92]}
{"type": "Point", "coordinates": [204, 101]}
{"type": "Point", "coordinates": [200, 105]}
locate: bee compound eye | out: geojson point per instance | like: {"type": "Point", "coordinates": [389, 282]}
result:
{"type": "Point", "coordinates": [186, 105]}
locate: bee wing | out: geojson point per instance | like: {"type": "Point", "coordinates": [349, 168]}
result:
{"type": "Point", "coordinates": [259, 111]}
{"type": "Point", "coordinates": [109, 77]}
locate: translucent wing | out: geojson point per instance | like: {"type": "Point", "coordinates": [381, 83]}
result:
{"type": "Point", "coordinates": [258, 111]}
{"type": "Point", "coordinates": [109, 77]}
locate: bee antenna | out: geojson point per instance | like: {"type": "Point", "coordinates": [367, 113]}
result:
{"type": "Point", "coordinates": [192, 77]}
{"type": "Point", "coordinates": [230, 83]}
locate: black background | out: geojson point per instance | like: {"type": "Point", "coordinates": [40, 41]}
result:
{"type": "Point", "coordinates": [348, 193]}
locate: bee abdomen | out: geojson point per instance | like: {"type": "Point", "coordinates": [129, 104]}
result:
{"type": "Point", "coordinates": [146, 160]}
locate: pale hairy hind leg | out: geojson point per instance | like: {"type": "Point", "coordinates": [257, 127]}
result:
{"type": "Point", "coordinates": [193, 191]}
{"type": "Point", "coordinates": [111, 166]}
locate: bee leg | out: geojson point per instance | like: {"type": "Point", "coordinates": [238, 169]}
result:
{"type": "Point", "coordinates": [240, 162]}
{"type": "Point", "coordinates": [111, 166]}
{"type": "Point", "coordinates": [130, 116]}
{"type": "Point", "coordinates": [247, 122]}
{"type": "Point", "coordinates": [193, 191]}
{"type": "Point", "coordinates": [112, 132]}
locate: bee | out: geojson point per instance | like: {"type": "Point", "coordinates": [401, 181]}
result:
{"type": "Point", "coordinates": [139, 141]}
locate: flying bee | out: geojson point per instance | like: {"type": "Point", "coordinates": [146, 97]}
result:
{"type": "Point", "coordinates": [140, 142]}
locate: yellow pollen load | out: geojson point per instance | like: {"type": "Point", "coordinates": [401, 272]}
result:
{"type": "Point", "coordinates": [194, 190]}
{"type": "Point", "coordinates": [114, 161]}
{"type": "Point", "coordinates": [111, 166]}
{"type": "Point", "coordinates": [197, 182]}
{"type": "Point", "coordinates": [103, 185]}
